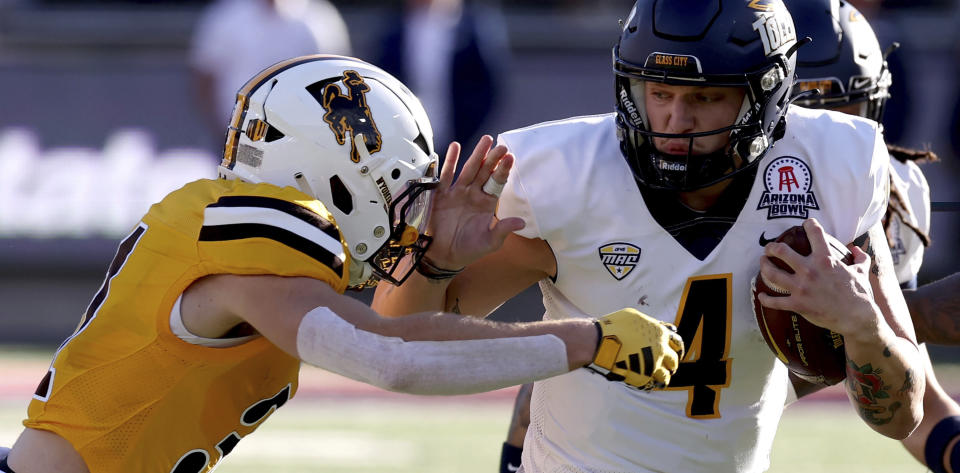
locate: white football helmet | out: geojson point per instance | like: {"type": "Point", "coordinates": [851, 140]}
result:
{"type": "Point", "coordinates": [351, 135]}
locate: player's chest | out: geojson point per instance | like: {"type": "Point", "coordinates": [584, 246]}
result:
{"type": "Point", "coordinates": [648, 269]}
{"type": "Point", "coordinates": [628, 258]}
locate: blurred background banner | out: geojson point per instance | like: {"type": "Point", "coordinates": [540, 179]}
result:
{"type": "Point", "coordinates": [108, 105]}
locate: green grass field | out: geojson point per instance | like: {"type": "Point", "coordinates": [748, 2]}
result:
{"type": "Point", "coordinates": [332, 435]}
{"type": "Point", "coordinates": [396, 434]}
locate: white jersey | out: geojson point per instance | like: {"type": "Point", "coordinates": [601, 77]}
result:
{"type": "Point", "coordinates": [905, 246]}
{"type": "Point", "coordinates": [574, 189]}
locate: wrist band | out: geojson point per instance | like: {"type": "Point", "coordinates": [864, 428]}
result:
{"type": "Point", "coordinates": [935, 451]}
{"type": "Point", "coordinates": [429, 271]}
{"type": "Point", "coordinates": [510, 458]}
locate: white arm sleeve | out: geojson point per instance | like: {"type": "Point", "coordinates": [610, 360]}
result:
{"type": "Point", "coordinates": [426, 367]}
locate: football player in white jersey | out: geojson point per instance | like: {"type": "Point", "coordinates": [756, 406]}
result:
{"type": "Point", "coordinates": [845, 63]}
{"type": "Point", "coordinates": [227, 285]}
{"type": "Point", "coordinates": [669, 205]}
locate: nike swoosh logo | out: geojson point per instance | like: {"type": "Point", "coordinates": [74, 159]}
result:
{"type": "Point", "coordinates": [764, 241]}
{"type": "Point", "coordinates": [860, 83]}
{"type": "Point", "coordinates": [510, 467]}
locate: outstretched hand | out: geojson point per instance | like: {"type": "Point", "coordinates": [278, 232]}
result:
{"type": "Point", "coordinates": [463, 223]}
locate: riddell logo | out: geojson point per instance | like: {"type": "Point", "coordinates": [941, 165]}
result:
{"type": "Point", "coordinates": [631, 108]}
{"type": "Point", "coordinates": [665, 165]}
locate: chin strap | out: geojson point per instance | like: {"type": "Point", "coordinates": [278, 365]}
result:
{"type": "Point", "coordinates": [361, 274]}
{"type": "Point", "coordinates": [780, 130]}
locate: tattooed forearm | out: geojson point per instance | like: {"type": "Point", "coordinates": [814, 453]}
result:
{"type": "Point", "coordinates": [907, 382]}
{"type": "Point", "coordinates": [867, 386]}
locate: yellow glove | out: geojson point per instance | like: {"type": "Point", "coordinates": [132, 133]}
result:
{"type": "Point", "coordinates": [637, 349]}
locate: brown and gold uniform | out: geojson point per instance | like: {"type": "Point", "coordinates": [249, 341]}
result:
{"type": "Point", "coordinates": [128, 393]}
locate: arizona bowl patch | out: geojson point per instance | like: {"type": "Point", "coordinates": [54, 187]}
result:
{"type": "Point", "coordinates": [619, 258]}
{"type": "Point", "coordinates": [787, 181]}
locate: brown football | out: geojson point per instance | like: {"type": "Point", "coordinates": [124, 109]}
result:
{"type": "Point", "coordinates": [813, 353]}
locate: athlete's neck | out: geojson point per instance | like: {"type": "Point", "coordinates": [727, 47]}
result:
{"type": "Point", "coordinates": [702, 199]}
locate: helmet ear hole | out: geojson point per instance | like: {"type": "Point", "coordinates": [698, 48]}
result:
{"type": "Point", "coordinates": [395, 174]}
{"type": "Point", "coordinates": [342, 198]}
{"type": "Point", "coordinates": [273, 134]}
{"type": "Point", "coordinates": [421, 142]}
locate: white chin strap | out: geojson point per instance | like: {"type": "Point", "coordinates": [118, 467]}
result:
{"type": "Point", "coordinates": [426, 367]}
{"type": "Point", "coordinates": [360, 272]}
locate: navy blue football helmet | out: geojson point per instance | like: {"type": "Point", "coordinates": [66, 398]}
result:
{"type": "Point", "coordinates": [844, 61]}
{"type": "Point", "coordinates": [724, 43]}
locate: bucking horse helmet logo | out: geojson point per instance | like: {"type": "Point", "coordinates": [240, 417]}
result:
{"type": "Point", "coordinates": [350, 114]}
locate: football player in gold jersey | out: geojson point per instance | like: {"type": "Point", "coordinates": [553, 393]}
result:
{"type": "Point", "coordinates": [225, 286]}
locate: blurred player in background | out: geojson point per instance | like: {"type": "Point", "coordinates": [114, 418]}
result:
{"type": "Point", "coordinates": [453, 54]}
{"type": "Point", "coordinates": [211, 303]}
{"type": "Point", "coordinates": [235, 39]}
{"type": "Point", "coordinates": [845, 63]}
{"type": "Point", "coordinates": [661, 206]}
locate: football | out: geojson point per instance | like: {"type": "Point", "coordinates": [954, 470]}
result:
{"type": "Point", "coordinates": [813, 353]}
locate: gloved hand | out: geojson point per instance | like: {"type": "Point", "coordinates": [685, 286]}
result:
{"type": "Point", "coordinates": [637, 349]}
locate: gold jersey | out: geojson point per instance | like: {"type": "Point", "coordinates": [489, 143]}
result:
{"type": "Point", "coordinates": [131, 396]}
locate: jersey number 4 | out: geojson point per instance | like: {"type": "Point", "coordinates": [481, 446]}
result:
{"type": "Point", "coordinates": [703, 321]}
